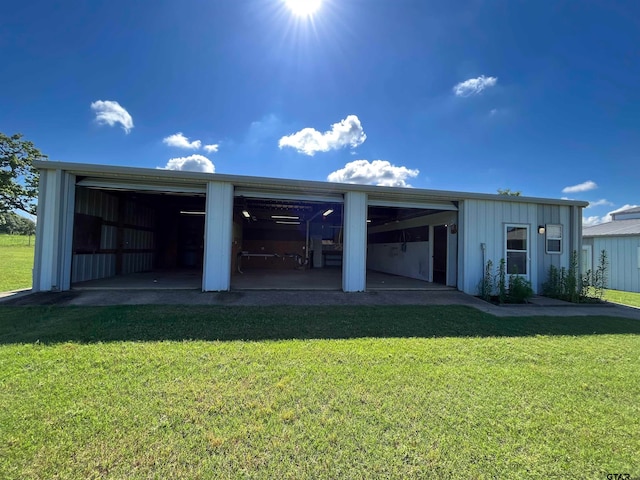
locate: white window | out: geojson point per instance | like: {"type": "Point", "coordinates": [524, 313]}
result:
{"type": "Point", "coordinates": [553, 238]}
{"type": "Point", "coordinates": [517, 249]}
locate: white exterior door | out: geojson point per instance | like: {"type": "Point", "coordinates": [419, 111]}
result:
{"type": "Point", "coordinates": [517, 249]}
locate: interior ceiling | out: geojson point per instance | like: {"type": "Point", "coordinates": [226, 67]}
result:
{"type": "Point", "coordinates": [383, 215]}
{"type": "Point", "coordinates": [167, 201]}
{"type": "Point", "coordinates": [263, 209]}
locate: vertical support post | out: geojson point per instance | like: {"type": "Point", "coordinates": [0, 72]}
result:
{"type": "Point", "coordinates": [354, 260]}
{"type": "Point", "coordinates": [46, 271]}
{"type": "Point", "coordinates": [461, 246]}
{"type": "Point", "coordinates": [576, 234]}
{"type": "Point", "coordinates": [66, 239]}
{"type": "Point", "coordinates": [218, 235]}
{"type": "Point", "coordinates": [120, 234]}
{"type": "Point", "coordinates": [430, 276]}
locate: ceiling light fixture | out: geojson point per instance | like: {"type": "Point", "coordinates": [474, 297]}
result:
{"type": "Point", "coordinates": [246, 214]}
{"type": "Point", "coordinates": [328, 212]}
{"type": "Point", "coordinates": [190, 212]}
{"type": "Point", "coordinates": [287, 223]}
{"type": "Point", "coordinates": [285, 217]}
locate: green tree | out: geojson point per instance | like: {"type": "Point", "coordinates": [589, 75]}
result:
{"type": "Point", "coordinates": [508, 191]}
{"type": "Point", "coordinates": [18, 178]}
{"type": "Point", "coordinates": [14, 224]}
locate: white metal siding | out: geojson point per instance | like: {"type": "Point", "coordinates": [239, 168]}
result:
{"type": "Point", "coordinates": [218, 237]}
{"type": "Point", "coordinates": [552, 214]}
{"type": "Point", "coordinates": [354, 265]}
{"type": "Point", "coordinates": [484, 222]}
{"type": "Point", "coordinates": [45, 230]}
{"type": "Point", "coordinates": [622, 253]}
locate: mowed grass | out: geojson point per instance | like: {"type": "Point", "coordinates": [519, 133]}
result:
{"type": "Point", "coordinates": [16, 262]}
{"type": "Point", "coordinates": [624, 298]}
{"type": "Point", "coordinates": [315, 392]}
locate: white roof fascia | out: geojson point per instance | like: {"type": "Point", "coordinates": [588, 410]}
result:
{"type": "Point", "coordinates": [241, 192]}
{"type": "Point", "coordinates": [156, 176]}
{"type": "Point", "coordinates": [118, 185]}
{"type": "Point", "coordinates": [421, 205]}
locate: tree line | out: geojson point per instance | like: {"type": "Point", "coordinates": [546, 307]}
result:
{"type": "Point", "coordinates": [13, 224]}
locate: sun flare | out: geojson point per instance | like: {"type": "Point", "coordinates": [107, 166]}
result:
{"type": "Point", "coordinates": [303, 8]}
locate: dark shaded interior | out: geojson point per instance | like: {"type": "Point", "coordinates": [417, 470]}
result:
{"type": "Point", "coordinates": [280, 235]}
{"type": "Point", "coordinates": [123, 232]}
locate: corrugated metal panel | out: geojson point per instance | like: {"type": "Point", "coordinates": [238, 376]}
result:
{"type": "Point", "coordinates": [96, 203]}
{"type": "Point", "coordinates": [136, 262]}
{"type": "Point", "coordinates": [218, 237]}
{"type": "Point", "coordinates": [93, 266]}
{"type": "Point", "coordinates": [137, 239]}
{"type": "Point", "coordinates": [354, 267]}
{"type": "Point", "coordinates": [104, 205]}
{"type": "Point", "coordinates": [622, 252]}
{"type": "Point", "coordinates": [484, 222]}
{"type": "Point", "coordinates": [138, 215]}
{"type": "Point", "coordinates": [108, 237]}
{"type": "Point", "coordinates": [552, 214]}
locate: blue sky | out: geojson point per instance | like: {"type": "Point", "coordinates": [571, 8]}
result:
{"type": "Point", "coordinates": [536, 96]}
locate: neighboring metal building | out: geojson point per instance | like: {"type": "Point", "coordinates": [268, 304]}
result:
{"type": "Point", "coordinates": [620, 238]}
{"type": "Point", "coordinates": [108, 222]}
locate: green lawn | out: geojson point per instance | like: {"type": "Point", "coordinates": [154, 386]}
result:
{"type": "Point", "coordinates": [16, 259]}
{"type": "Point", "coordinates": [315, 392]}
{"type": "Point", "coordinates": [625, 298]}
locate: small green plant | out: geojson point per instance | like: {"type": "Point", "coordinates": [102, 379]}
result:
{"type": "Point", "coordinates": [600, 276]}
{"type": "Point", "coordinates": [502, 283]}
{"type": "Point", "coordinates": [520, 290]}
{"type": "Point", "coordinates": [569, 285]}
{"type": "Point", "coordinates": [551, 288]}
{"type": "Point", "coordinates": [486, 284]}
{"type": "Point", "coordinates": [571, 280]}
{"type": "Point", "coordinates": [586, 280]}
{"type": "Point", "coordinates": [497, 289]}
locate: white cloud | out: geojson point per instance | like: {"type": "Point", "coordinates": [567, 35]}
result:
{"type": "Point", "coordinates": [581, 187]}
{"type": "Point", "coordinates": [596, 220]}
{"type": "Point", "coordinates": [109, 112]}
{"type": "Point", "coordinates": [180, 141]}
{"type": "Point", "coordinates": [474, 86]}
{"type": "Point", "coordinates": [378, 172]}
{"type": "Point", "coordinates": [192, 163]}
{"type": "Point", "coordinates": [600, 203]}
{"type": "Point", "coordinates": [591, 221]}
{"type": "Point", "coordinates": [624, 207]}
{"type": "Point", "coordinates": [347, 132]}
{"type": "Point", "coordinates": [211, 148]}
{"type": "Point", "coordinates": [609, 218]}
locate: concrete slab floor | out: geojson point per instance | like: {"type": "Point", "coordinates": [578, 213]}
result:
{"type": "Point", "coordinates": [321, 297]}
{"type": "Point", "coordinates": [255, 279]}
{"type": "Point", "coordinates": [174, 279]}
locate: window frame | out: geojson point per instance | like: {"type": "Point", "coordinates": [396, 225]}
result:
{"type": "Point", "coordinates": [527, 251]}
{"type": "Point", "coordinates": [547, 237]}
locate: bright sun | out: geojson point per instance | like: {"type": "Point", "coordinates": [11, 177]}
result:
{"type": "Point", "coordinates": [303, 8]}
